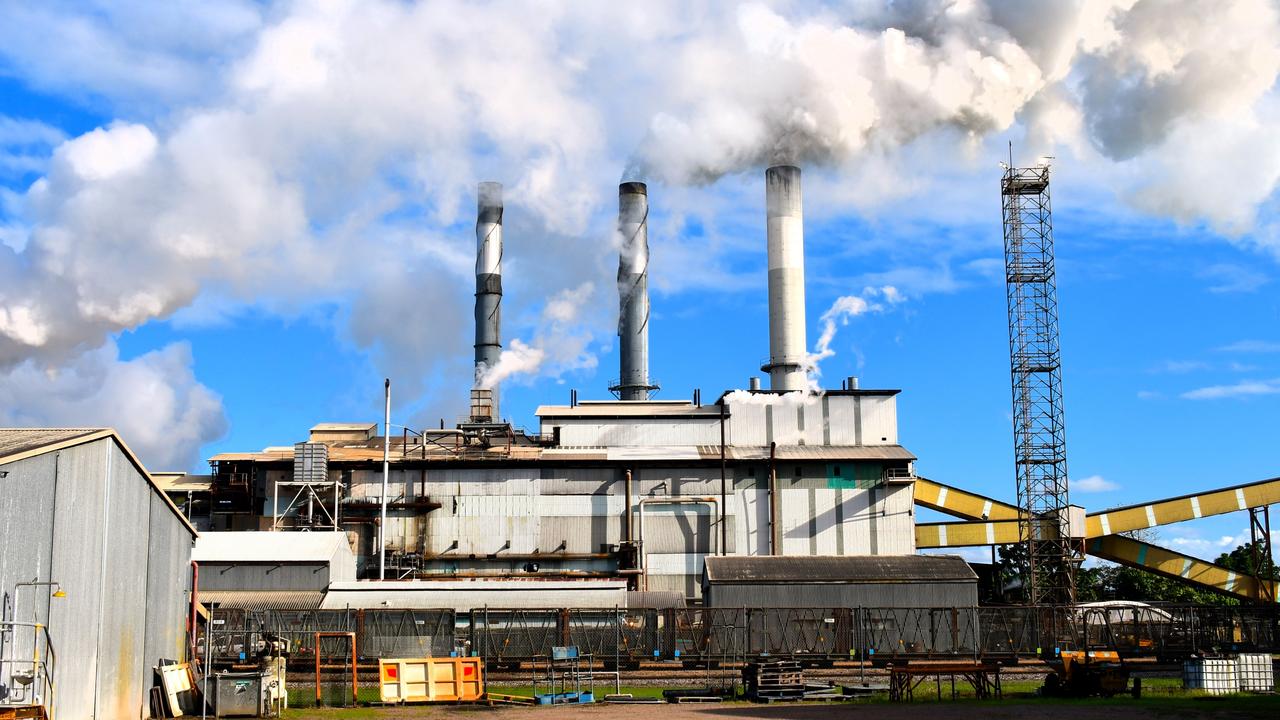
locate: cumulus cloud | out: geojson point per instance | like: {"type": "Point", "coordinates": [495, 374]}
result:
{"type": "Point", "coordinates": [153, 400]}
{"type": "Point", "coordinates": [1093, 484]}
{"type": "Point", "coordinates": [326, 152]}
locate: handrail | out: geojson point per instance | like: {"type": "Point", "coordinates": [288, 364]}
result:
{"type": "Point", "coordinates": [28, 681]}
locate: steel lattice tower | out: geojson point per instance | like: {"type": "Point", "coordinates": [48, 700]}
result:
{"type": "Point", "coordinates": [1039, 441]}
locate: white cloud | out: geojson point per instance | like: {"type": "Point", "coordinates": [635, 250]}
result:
{"type": "Point", "coordinates": [1093, 484]}
{"type": "Point", "coordinates": [1232, 278]}
{"type": "Point", "coordinates": [1251, 346]}
{"type": "Point", "coordinates": [19, 132]}
{"type": "Point", "coordinates": [560, 343]}
{"type": "Point", "coordinates": [131, 53]}
{"type": "Point", "coordinates": [102, 154]}
{"type": "Point", "coordinates": [327, 152]}
{"type": "Point", "coordinates": [1181, 367]}
{"type": "Point", "coordinates": [154, 400]}
{"type": "Point", "coordinates": [1245, 388]}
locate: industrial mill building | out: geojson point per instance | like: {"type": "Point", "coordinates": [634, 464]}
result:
{"type": "Point", "coordinates": [632, 488]}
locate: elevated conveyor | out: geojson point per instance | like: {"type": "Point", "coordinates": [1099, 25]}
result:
{"type": "Point", "coordinates": [991, 522]}
{"type": "Point", "coordinates": [1176, 566]}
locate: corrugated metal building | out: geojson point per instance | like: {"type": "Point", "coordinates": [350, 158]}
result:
{"type": "Point", "coordinates": [805, 474]}
{"type": "Point", "coordinates": [258, 570]}
{"type": "Point", "coordinates": [78, 508]}
{"type": "Point", "coordinates": [914, 581]}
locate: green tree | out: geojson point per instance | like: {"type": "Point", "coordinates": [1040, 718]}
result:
{"type": "Point", "coordinates": [1241, 560]}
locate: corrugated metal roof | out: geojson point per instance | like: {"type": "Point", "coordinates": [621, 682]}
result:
{"type": "Point", "coordinates": [182, 482]}
{"type": "Point", "coordinates": [22, 441]}
{"type": "Point", "coordinates": [263, 599]}
{"type": "Point", "coordinates": [343, 427]}
{"type": "Point", "coordinates": [841, 569]}
{"type": "Point", "coordinates": [528, 453]}
{"type": "Point", "coordinates": [657, 599]}
{"type": "Point", "coordinates": [269, 546]}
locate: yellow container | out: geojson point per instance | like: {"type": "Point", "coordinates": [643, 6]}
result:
{"type": "Point", "coordinates": [431, 679]}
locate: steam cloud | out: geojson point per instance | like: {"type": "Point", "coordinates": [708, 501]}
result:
{"type": "Point", "coordinates": [841, 311]}
{"type": "Point", "coordinates": [560, 343]}
{"type": "Point", "coordinates": [279, 158]}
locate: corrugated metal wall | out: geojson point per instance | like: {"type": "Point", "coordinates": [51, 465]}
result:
{"type": "Point", "coordinates": [26, 538]}
{"type": "Point", "coordinates": [168, 582]}
{"type": "Point", "coordinates": [122, 628]}
{"type": "Point", "coordinates": [638, 432]}
{"type": "Point", "coordinates": [87, 519]}
{"type": "Point", "coordinates": [827, 420]}
{"type": "Point", "coordinates": [264, 576]}
{"type": "Point", "coordinates": [78, 564]}
{"type": "Point", "coordinates": [523, 510]}
{"type": "Point", "coordinates": [847, 595]}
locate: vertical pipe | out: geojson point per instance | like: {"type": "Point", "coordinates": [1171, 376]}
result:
{"type": "Point", "coordinates": [195, 604]}
{"type": "Point", "coordinates": [386, 477]}
{"type": "Point", "coordinates": [785, 216]}
{"type": "Point", "coordinates": [773, 499]}
{"type": "Point", "coordinates": [627, 509]}
{"type": "Point", "coordinates": [633, 292]}
{"type": "Point", "coordinates": [488, 345]}
{"type": "Point", "coordinates": [724, 525]}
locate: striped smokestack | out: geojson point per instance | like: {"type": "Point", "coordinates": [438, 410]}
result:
{"type": "Point", "coordinates": [488, 284]}
{"type": "Point", "coordinates": [633, 293]}
{"type": "Point", "coordinates": [787, 343]}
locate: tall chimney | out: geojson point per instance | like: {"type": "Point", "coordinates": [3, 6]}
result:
{"type": "Point", "coordinates": [633, 293]}
{"type": "Point", "coordinates": [787, 345]}
{"type": "Point", "coordinates": [488, 283]}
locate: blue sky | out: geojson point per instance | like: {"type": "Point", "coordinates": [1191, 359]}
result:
{"type": "Point", "coordinates": [222, 225]}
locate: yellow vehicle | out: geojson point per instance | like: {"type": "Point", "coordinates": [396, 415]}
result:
{"type": "Point", "coordinates": [1086, 673]}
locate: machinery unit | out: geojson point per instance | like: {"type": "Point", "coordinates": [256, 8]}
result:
{"type": "Point", "coordinates": [1087, 673]}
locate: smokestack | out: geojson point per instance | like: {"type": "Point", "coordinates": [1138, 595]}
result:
{"type": "Point", "coordinates": [488, 284]}
{"type": "Point", "coordinates": [633, 293]}
{"type": "Point", "coordinates": [786, 279]}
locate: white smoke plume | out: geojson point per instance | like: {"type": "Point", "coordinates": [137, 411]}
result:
{"type": "Point", "coordinates": [846, 307]}
{"type": "Point", "coordinates": [560, 343]}
{"type": "Point", "coordinates": [745, 397]}
{"type": "Point", "coordinates": [288, 155]}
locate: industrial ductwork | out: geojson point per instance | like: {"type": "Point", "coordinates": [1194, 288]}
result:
{"type": "Point", "coordinates": [488, 287]}
{"type": "Point", "coordinates": [633, 293]}
{"type": "Point", "coordinates": [787, 344]}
